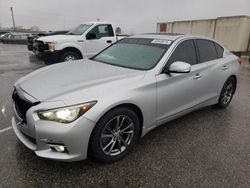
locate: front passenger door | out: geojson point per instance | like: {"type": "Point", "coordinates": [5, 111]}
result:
{"type": "Point", "coordinates": [178, 92]}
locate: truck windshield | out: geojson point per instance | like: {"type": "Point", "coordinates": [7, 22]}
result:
{"type": "Point", "coordinates": [135, 53]}
{"type": "Point", "coordinates": [79, 29]}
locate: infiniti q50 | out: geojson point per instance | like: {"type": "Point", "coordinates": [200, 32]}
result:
{"type": "Point", "coordinates": [101, 106]}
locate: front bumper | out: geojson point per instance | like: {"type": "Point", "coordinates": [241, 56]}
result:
{"type": "Point", "coordinates": [30, 47]}
{"type": "Point", "coordinates": [39, 135]}
{"type": "Point", "coordinates": [40, 48]}
{"type": "Point", "coordinates": [50, 56]}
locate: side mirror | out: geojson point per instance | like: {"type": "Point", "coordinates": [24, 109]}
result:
{"type": "Point", "coordinates": [179, 67]}
{"type": "Point", "coordinates": [91, 36]}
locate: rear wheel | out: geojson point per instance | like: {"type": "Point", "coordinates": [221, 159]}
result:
{"type": "Point", "coordinates": [114, 135]}
{"type": "Point", "coordinates": [227, 93]}
{"type": "Point", "coordinates": [69, 56]}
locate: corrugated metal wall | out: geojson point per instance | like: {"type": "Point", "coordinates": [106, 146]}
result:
{"type": "Point", "coordinates": [233, 32]}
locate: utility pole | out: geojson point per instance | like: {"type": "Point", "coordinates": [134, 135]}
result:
{"type": "Point", "coordinates": [13, 20]}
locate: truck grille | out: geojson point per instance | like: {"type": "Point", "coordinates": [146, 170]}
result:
{"type": "Point", "coordinates": [30, 40]}
{"type": "Point", "coordinates": [39, 46]}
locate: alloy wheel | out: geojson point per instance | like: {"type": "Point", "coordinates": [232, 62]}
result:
{"type": "Point", "coordinates": [227, 93]}
{"type": "Point", "coordinates": [117, 135]}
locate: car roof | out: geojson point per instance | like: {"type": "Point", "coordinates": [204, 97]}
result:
{"type": "Point", "coordinates": [163, 36]}
{"type": "Point", "coordinates": [171, 36]}
{"type": "Point", "coordinates": [97, 22]}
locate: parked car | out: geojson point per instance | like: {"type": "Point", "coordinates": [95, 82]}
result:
{"type": "Point", "coordinates": [85, 40]}
{"type": "Point", "coordinates": [42, 34]}
{"type": "Point", "coordinates": [3, 34]}
{"type": "Point", "coordinates": [14, 38]}
{"type": "Point", "coordinates": [101, 106]}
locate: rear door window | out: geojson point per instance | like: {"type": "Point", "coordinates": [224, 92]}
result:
{"type": "Point", "coordinates": [219, 50]}
{"type": "Point", "coordinates": [207, 50]}
{"type": "Point", "coordinates": [185, 52]}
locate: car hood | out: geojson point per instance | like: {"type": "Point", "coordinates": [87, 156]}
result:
{"type": "Point", "coordinates": [52, 82]}
{"type": "Point", "coordinates": [56, 38]}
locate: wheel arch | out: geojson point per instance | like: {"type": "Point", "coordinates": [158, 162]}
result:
{"type": "Point", "coordinates": [131, 106]}
{"type": "Point", "coordinates": [72, 49]}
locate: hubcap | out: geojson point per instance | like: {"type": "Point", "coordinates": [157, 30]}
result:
{"type": "Point", "coordinates": [70, 58]}
{"type": "Point", "coordinates": [227, 93]}
{"type": "Point", "coordinates": [117, 135]}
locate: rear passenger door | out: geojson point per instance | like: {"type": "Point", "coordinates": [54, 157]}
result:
{"type": "Point", "coordinates": [210, 65]}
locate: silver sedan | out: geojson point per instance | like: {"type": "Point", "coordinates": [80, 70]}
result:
{"type": "Point", "coordinates": [101, 106]}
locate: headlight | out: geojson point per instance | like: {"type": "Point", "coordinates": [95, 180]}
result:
{"type": "Point", "coordinates": [66, 114]}
{"type": "Point", "coordinates": [51, 46]}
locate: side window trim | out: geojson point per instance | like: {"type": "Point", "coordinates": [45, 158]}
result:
{"type": "Point", "coordinates": [110, 30]}
{"type": "Point", "coordinates": [196, 52]}
{"type": "Point", "coordinates": [198, 60]}
{"type": "Point", "coordinates": [218, 56]}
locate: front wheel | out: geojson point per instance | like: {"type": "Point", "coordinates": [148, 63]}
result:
{"type": "Point", "coordinates": [114, 135]}
{"type": "Point", "coordinates": [227, 93]}
{"type": "Point", "coordinates": [69, 56]}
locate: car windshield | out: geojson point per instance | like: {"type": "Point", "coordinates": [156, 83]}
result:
{"type": "Point", "coordinates": [135, 53]}
{"type": "Point", "coordinates": [80, 29]}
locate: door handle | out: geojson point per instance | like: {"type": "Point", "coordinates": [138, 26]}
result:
{"type": "Point", "coordinates": [109, 41]}
{"type": "Point", "coordinates": [225, 67]}
{"type": "Point", "coordinates": [197, 76]}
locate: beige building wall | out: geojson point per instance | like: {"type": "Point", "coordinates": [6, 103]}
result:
{"type": "Point", "coordinates": [203, 28]}
{"type": "Point", "coordinates": [233, 32]}
{"type": "Point", "coordinates": [196, 27]}
{"type": "Point", "coordinates": [182, 27]}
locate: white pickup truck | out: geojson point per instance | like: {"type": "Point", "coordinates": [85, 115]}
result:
{"type": "Point", "coordinates": [84, 41]}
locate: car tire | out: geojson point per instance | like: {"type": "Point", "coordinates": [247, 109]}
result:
{"type": "Point", "coordinates": [114, 135]}
{"type": "Point", "coordinates": [227, 93]}
{"type": "Point", "coordinates": [69, 56]}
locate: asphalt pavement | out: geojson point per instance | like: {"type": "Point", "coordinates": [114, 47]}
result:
{"type": "Point", "coordinates": [207, 148]}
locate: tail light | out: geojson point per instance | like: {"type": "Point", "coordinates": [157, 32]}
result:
{"type": "Point", "coordinates": [240, 61]}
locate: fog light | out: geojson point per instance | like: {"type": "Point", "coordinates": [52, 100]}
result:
{"type": "Point", "coordinates": [59, 148]}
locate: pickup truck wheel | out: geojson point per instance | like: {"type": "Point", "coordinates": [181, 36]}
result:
{"type": "Point", "coordinates": [69, 56]}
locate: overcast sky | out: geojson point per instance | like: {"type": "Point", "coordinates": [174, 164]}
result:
{"type": "Point", "coordinates": [137, 16]}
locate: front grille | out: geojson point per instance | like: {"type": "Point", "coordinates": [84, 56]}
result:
{"type": "Point", "coordinates": [30, 40]}
{"type": "Point", "coordinates": [22, 105]}
{"type": "Point", "coordinates": [40, 46]}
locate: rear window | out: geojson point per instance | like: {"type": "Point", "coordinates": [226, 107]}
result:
{"type": "Point", "coordinates": [207, 51]}
{"type": "Point", "coordinates": [219, 50]}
